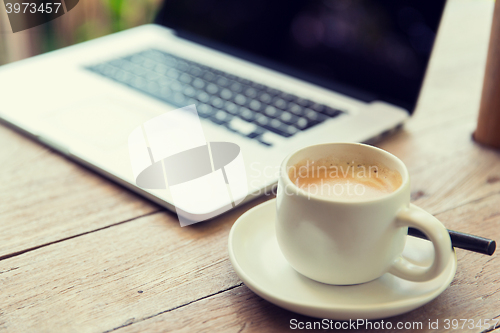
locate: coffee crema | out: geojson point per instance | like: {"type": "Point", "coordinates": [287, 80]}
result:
{"type": "Point", "coordinates": [352, 180]}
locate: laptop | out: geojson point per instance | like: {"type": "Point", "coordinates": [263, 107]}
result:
{"type": "Point", "coordinates": [268, 76]}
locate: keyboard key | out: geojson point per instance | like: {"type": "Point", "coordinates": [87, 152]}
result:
{"type": "Point", "coordinates": [275, 123]}
{"type": "Point", "coordinates": [198, 83]}
{"type": "Point", "coordinates": [280, 103]}
{"type": "Point", "coordinates": [258, 86]}
{"type": "Point", "coordinates": [212, 89]}
{"type": "Point", "coordinates": [149, 64]}
{"type": "Point", "coordinates": [301, 123]}
{"type": "Point", "coordinates": [152, 87]}
{"type": "Point", "coordinates": [310, 114]}
{"type": "Point", "coordinates": [243, 81]}
{"type": "Point", "coordinates": [304, 123]}
{"type": "Point", "coordinates": [272, 92]}
{"type": "Point", "coordinates": [176, 86]}
{"type": "Point", "coordinates": [120, 75]}
{"type": "Point", "coordinates": [270, 137]}
{"type": "Point", "coordinates": [205, 110]}
{"type": "Point", "coordinates": [256, 133]}
{"type": "Point", "coordinates": [236, 87]}
{"type": "Point", "coordinates": [178, 99]}
{"type": "Point", "coordinates": [216, 102]}
{"type": "Point", "coordinates": [288, 97]}
{"type": "Point", "coordinates": [271, 111]}
{"type": "Point", "coordinates": [223, 116]}
{"type": "Point", "coordinates": [164, 81]}
{"type": "Point", "coordinates": [317, 107]}
{"type": "Point", "coordinates": [265, 98]}
{"type": "Point", "coordinates": [251, 92]}
{"type": "Point", "coordinates": [264, 142]}
{"type": "Point", "coordinates": [255, 105]}
{"type": "Point", "coordinates": [137, 59]}
{"type": "Point", "coordinates": [182, 66]}
{"type": "Point", "coordinates": [232, 108]}
{"type": "Point", "coordinates": [289, 130]}
{"type": "Point", "coordinates": [314, 116]}
{"type": "Point", "coordinates": [108, 70]}
{"type": "Point", "coordinates": [262, 120]}
{"type": "Point", "coordinates": [240, 99]}
{"type": "Point", "coordinates": [189, 91]}
{"type": "Point", "coordinates": [161, 69]}
{"type": "Point", "coordinates": [118, 63]}
{"type": "Point", "coordinates": [203, 97]}
{"type": "Point", "coordinates": [208, 76]}
{"type": "Point", "coordinates": [288, 118]}
{"type": "Point", "coordinates": [185, 78]}
{"type": "Point", "coordinates": [246, 114]}
{"type": "Point", "coordinates": [127, 66]}
{"type": "Point", "coordinates": [280, 128]}
{"type": "Point", "coordinates": [151, 76]}
{"type": "Point", "coordinates": [331, 112]}
{"type": "Point", "coordinates": [195, 71]}
{"type": "Point", "coordinates": [222, 81]}
{"type": "Point", "coordinates": [226, 94]}
{"type": "Point", "coordinates": [296, 109]}
{"type": "Point", "coordinates": [169, 61]}
{"type": "Point", "coordinates": [220, 117]}
{"type": "Point", "coordinates": [172, 73]}
{"type": "Point", "coordinates": [139, 71]}
{"type": "Point", "coordinates": [127, 79]}
{"type": "Point", "coordinates": [242, 126]}
{"type": "Point", "coordinates": [138, 82]}
{"type": "Point", "coordinates": [153, 54]}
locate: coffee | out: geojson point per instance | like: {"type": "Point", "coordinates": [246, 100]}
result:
{"type": "Point", "coordinates": [337, 178]}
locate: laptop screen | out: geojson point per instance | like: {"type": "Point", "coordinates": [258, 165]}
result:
{"type": "Point", "coordinates": [371, 50]}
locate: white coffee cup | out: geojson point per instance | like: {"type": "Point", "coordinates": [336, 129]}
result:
{"type": "Point", "coordinates": [342, 242]}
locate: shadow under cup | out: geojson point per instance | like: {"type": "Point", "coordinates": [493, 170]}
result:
{"type": "Point", "coordinates": [335, 239]}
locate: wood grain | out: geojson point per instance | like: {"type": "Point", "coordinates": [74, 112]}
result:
{"type": "Point", "coordinates": [140, 278]}
{"type": "Point", "coordinates": [114, 276]}
{"type": "Point", "coordinates": [454, 182]}
{"type": "Point", "coordinates": [46, 198]}
{"type": "Point", "coordinates": [472, 295]}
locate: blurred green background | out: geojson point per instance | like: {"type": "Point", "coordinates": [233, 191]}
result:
{"type": "Point", "coordinates": [89, 19]}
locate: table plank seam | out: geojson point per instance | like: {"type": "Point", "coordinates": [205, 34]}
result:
{"type": "Point", "coordinates": [8, 270]}
{"type": "Point", "coordinates": [175, 308]}
{"type": "Point", "coordinates": [17, 253]}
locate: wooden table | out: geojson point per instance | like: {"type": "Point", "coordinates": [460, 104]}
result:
{"type": "Point", "coordinates": [78, 253]}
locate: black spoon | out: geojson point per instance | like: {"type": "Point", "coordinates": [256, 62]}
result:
{"type": "Point", "coordinates": [463, 241]}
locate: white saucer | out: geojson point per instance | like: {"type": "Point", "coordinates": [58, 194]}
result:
{"type": "Point", "coordinates": [258, 261]}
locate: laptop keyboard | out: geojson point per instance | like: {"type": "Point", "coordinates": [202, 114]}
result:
{"type": "Point", "coordinates": [243, 106]}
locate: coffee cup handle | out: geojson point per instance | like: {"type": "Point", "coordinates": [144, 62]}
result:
{"type": "Point", "coordinates": [435, 232]}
